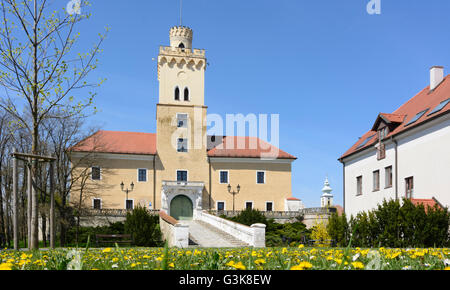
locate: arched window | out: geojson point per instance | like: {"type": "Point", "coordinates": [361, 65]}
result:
{"type": "Point", "coordinates": [186, 94]}
{"type": "Point", "coordinates": [177, 94]}
{"type": "Point", "coordinates": [181, 45]}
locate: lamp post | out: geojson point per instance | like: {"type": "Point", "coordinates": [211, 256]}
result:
{"type": "Point", "coordinates": [234, 192]}
{"type": "Point", "coordinates": [127, 191]}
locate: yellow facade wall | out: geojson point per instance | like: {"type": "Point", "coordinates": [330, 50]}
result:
{"type": "Point", "coordinates": [277, 187]}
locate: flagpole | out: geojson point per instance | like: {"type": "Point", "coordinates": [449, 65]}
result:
{"type": "Point", "coordinates": [181, 12]}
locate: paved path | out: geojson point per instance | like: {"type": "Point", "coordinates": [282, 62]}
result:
{"type": "Point", "coordinates": [206, 236]}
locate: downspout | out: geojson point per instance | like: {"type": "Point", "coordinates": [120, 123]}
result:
{"type": "Point", "coordinates": [154, 182]}
{"type": "Point", "coordinates": [396, 167]}
{"type": "Point", "coordinates": [210, 184]}
{"type": "Point", "coordinates": [343, 183]}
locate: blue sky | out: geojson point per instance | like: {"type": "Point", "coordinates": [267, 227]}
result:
{"type": "Point", "coordinates": [326, 66]}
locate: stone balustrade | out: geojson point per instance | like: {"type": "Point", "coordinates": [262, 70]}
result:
{"type": "Point", "coordinates": [175, 233]}
{"type": "Point", "coordinates": [254, 235]}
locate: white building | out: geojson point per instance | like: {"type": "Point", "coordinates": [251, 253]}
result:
{"type": "Point", "coordinates": [406, 154]}
{"type": "Point", "coordinates": [326, 199]}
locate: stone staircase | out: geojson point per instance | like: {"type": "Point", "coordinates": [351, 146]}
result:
{"type": "Point", "coordinates": [204, 235]}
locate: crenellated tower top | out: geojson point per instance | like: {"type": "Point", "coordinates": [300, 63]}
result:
{"type": "Point", "coordinates": [181, 37]}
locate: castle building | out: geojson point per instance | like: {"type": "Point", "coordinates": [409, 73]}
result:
{"type": "Point", "coordinates": [180, 169]}
{"type": "Point", "coordinates": [405, 154]}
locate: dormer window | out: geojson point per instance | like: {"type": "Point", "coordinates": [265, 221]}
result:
{"type": "Point", "coordinates": [382, 133]}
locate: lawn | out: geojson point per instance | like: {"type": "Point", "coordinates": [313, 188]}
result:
{"type": "Point", "coordinates": [299, 258]}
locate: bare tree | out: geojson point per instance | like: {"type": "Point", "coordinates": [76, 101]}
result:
{"type": "Point", "coordinates": [5, 141]}
{"type": "Point", "coordinates": [39, 67]}
{"type": "Point", "coordinates": [63, 134]}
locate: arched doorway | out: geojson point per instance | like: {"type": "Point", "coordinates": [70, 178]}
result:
{"type": "Point", "coordinates": [181, 208]}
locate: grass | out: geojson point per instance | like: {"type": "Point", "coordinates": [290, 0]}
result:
{"type": "Point", "coordinates": [299, 258]}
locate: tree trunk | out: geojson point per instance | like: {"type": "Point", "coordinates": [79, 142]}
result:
{"type": "Point", "coordinates": [44, 229]}
{"type": "Point", "coordinates": [2, 214]}
{"type": "Point", "coordinates": [35, 137]}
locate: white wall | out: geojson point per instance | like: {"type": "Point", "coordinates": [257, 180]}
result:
{"type": "Point", "coordinates": [364, 166]}
{"type": "Point", "coordinates": [423, 153]}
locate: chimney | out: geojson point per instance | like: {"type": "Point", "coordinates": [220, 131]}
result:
{"type": "Point", "coordinates": [436, 76]}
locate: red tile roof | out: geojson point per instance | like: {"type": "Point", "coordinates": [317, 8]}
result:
{"type": "Point", "coordinates": [293, 198]}
{"type": "Point", "coordinates": [339, 209]}
{"type": "Point", "coordinates": [119, 143]}
{"type": "Point", "coordinates": [425, 202]}
{"type": "Point", "coordinates": [425, 100]}
{"type": "Point", "coordinates": [247, 147]}
{"type": "Point", "coordinates": [145, 144]}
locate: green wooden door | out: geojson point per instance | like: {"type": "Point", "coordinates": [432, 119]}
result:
{"type": "Point", "coordinates": [181, 208]}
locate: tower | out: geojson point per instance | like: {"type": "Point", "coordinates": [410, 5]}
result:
{"type": "Point", "coordinates": [181, 70]}
{"type": "Point", "coordinates": [182, 161]}
{"type": "Point", "coordinates": [327, 198]}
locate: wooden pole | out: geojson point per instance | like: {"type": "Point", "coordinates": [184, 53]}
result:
{"type": "Point", "coordinates": [34, 213]}
{"type": "Point", "coordinates": [15, 205]}
{"type": "Point", "coordinates": [29, 193]}
{"type": "Point", "coordinates": [52, 207]}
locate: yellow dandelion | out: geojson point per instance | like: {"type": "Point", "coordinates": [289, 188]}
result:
{"type": "Point", "coordinates": [358, 265]}
{"type": "Point", "coordinates": [6, 266]}
{"type": "Point", "coordinates": [260, 261]}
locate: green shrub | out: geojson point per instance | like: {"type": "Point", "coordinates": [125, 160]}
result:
{"type": "Point", "coordinates": [339, 229]}
{"type": "Point", "coordinates": [394, 225]}
{"type": "Point", "coordinates": [85, 232]}
{"type": "Point", "coordinates": [143, 227]}
{"type": "Point", "coordinates": [249, 217]}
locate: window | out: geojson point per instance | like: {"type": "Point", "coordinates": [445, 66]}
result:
{"type": "Point", "coordinates": [249, 205]}
{"type": "Point", "coordinates": [365, 142]}
{"type": "Point", "coordinates": [376, 180]}
{"type": "Point", "coordinates": [224, 177]}
{"type": "Point", "coordinates": [416, 118]}
{"type": "Point", "coordinates": [388, 176]}
{"type": "Point", "coordinates": [439, 107]}
{"type": "Point", "coordinates": [260, 177]}
{"type": "Point", "coordinates": [220, 206]}
{"type": "Point", "coordinates": [96, 173]}
{"type": "Point", "coordinates": [142, 175]}
{"type": "Point", "coordinates": [359, 185]}
{"type": "Point", "coordinates": [181, 45]}
{"type": "Point", "coordinates": [409, 182]}
{"type": "Point", "coordinates": [269, 206]}
{"type": "Point", "coordinates": [182, 120]}
{"type": "Point", "coordinates": [177, 94]}
{"type": "Point", "coordinates": [186, 94]}
{"type": "Point", "coordinates": [381, 153]}
{"type": "Point", "coordinates": [97, 203]}
{"type": "Point", "coordinates": [182, 176]}
{"type": "Point", "coordinates": [182, 145]}
{"type": "Point", "coordinates": [129, 204]}
{"type": "Point", "coordinates": [382, 133]}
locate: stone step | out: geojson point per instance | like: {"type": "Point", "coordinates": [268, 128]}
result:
{"type": "Point", "coordinates": [203, 231]}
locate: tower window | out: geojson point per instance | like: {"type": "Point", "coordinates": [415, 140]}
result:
{"type": "Point", "coordinates": [182, 120]}
{"type": "Point", "coordinates": [177, 94]}
{"type": "Point", "coordinates": [186, 94]}
{"type": "Point", "coordinates": [181, 45]}
{"type": "Point", "coordinates": [182, 145]}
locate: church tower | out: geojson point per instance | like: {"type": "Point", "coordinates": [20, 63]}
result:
{"type": "Point", "coordinates": [182, 162]}
{"type": "Point", "coordinates": [327, 198]}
